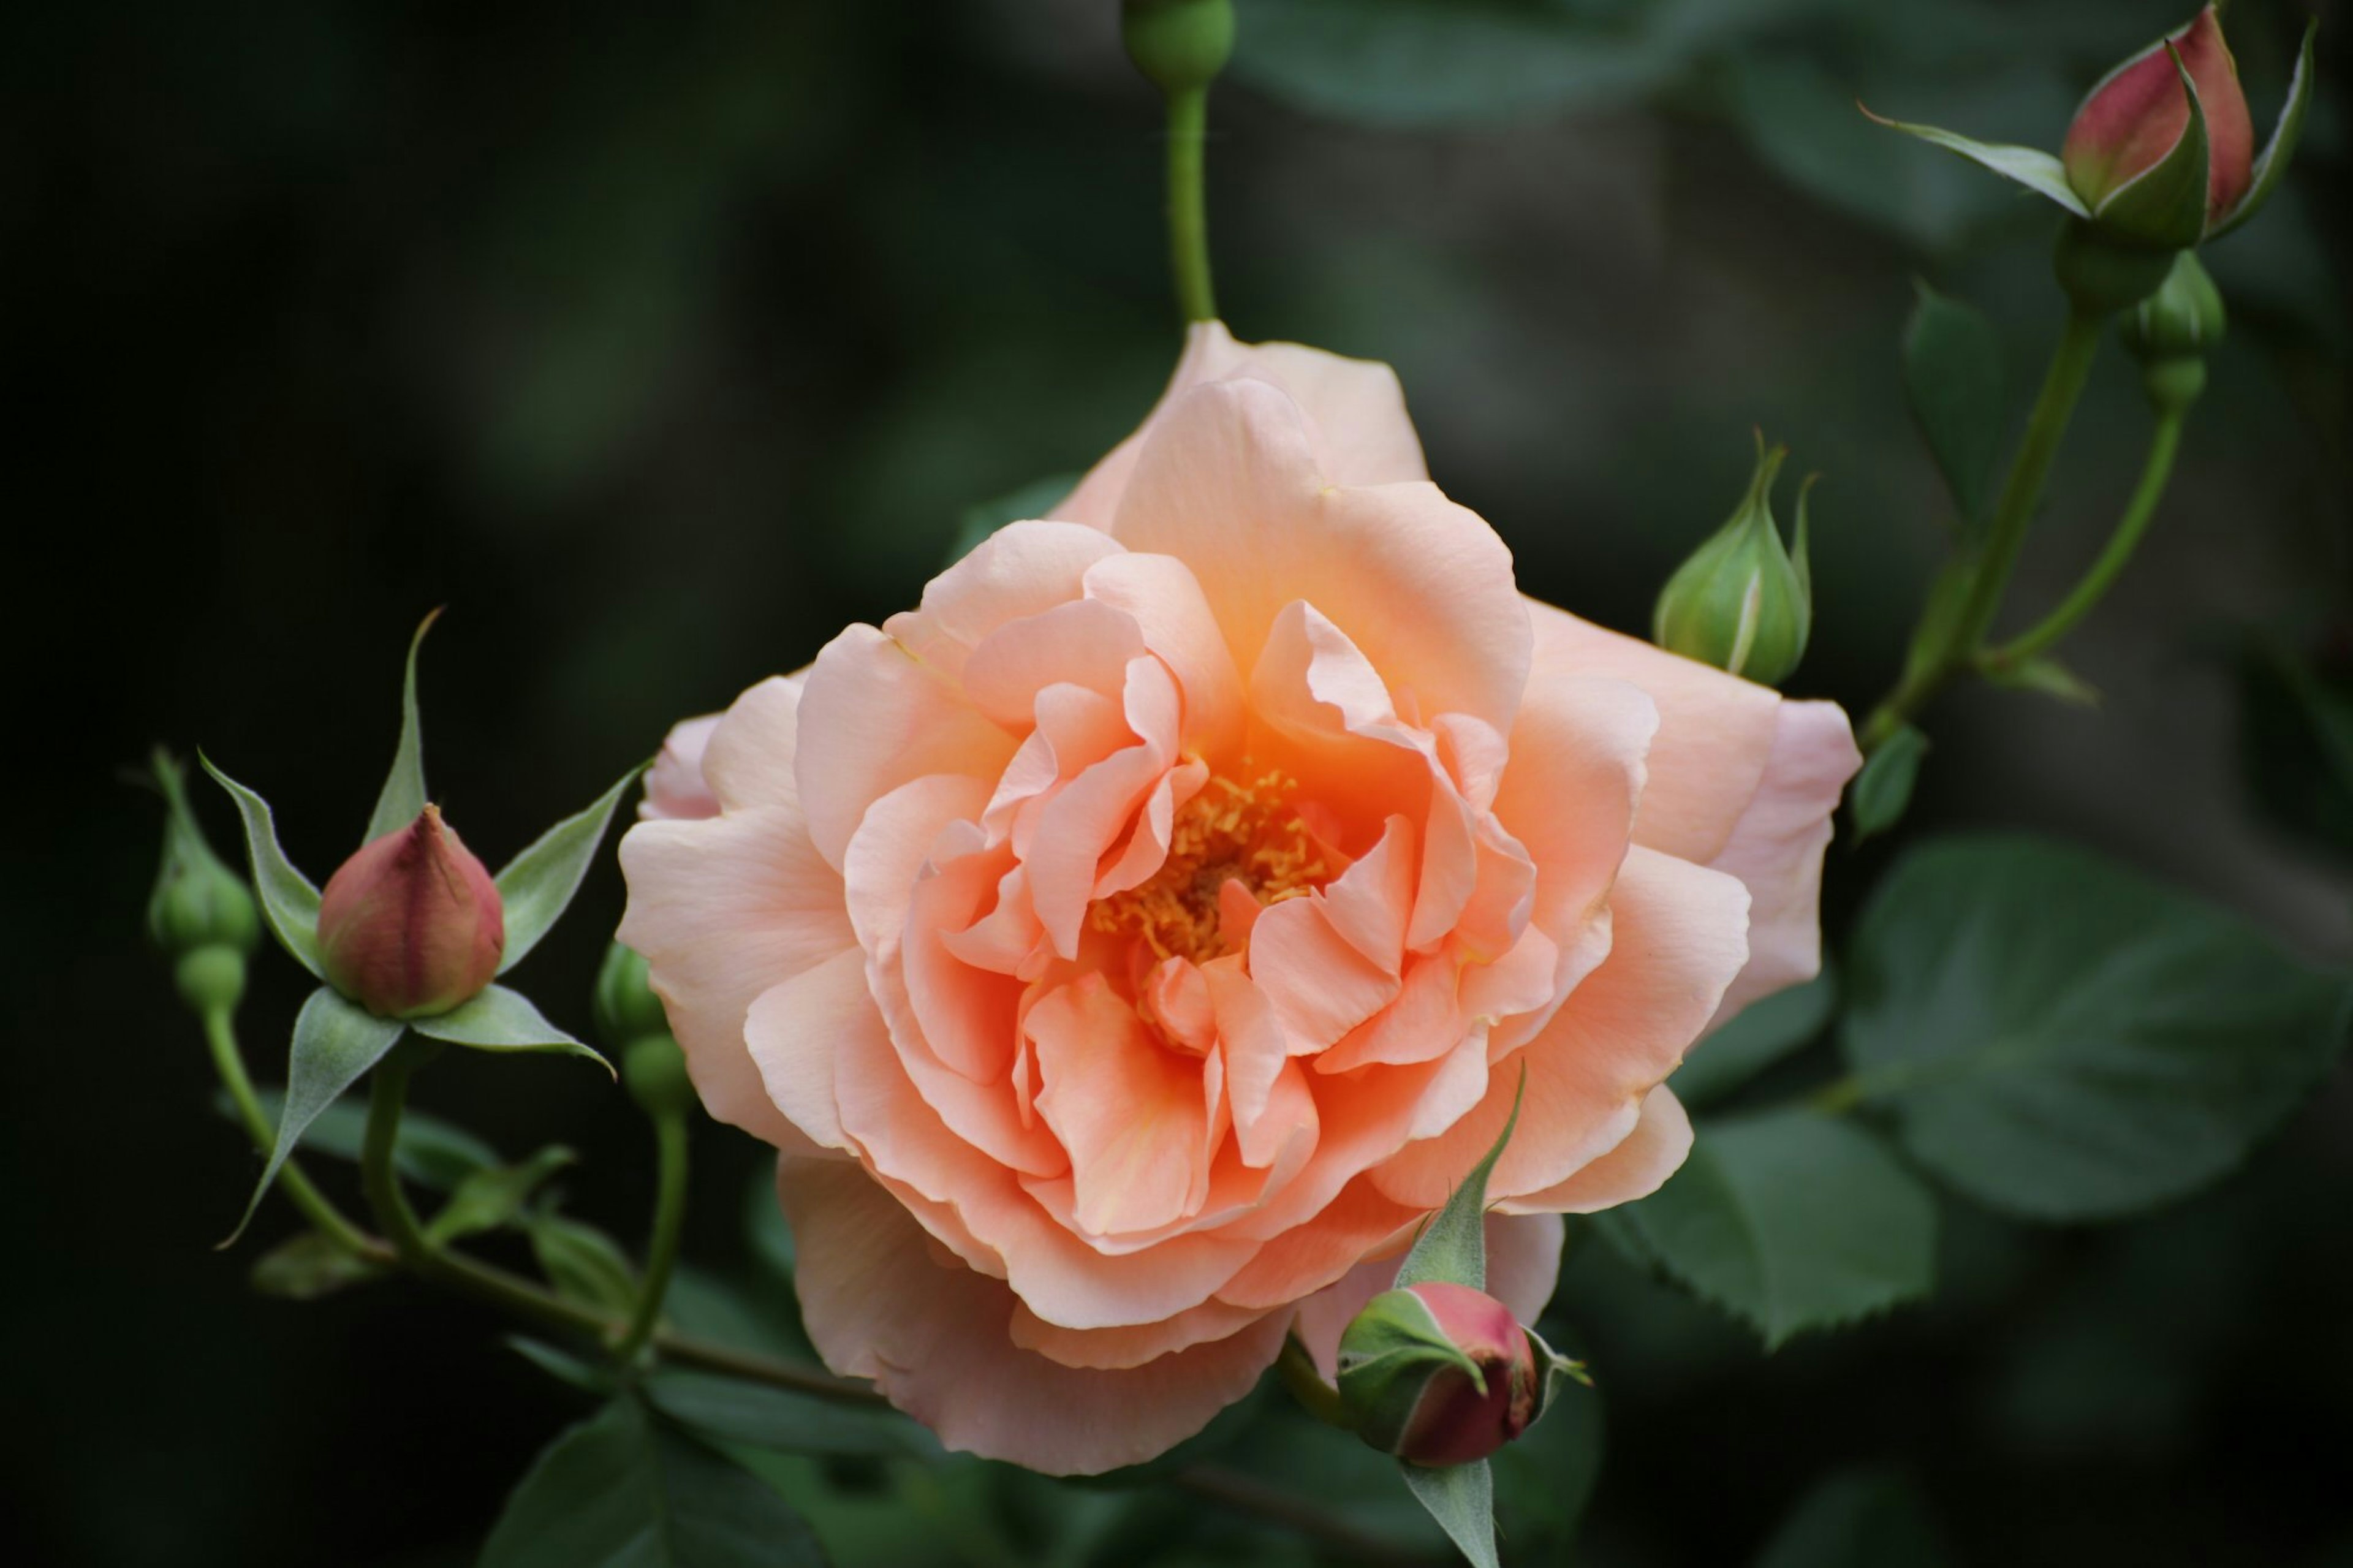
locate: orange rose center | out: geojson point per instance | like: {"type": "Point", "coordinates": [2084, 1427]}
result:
{"type": "Point", "coordinates": [1226, 833]}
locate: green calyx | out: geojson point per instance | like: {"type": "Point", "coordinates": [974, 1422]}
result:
{"type": "Point", "coordinates": [1181, 44]}
{"type": "Point", "coordinates": [2103, 274]}
{"type": "Point", "coordinates": [2172, 331]}
{"type": "Point", "coordinates": [623, 1003]}
{"type": "Point", "coordinates": [1389, 1355]}
{"type": "Point", "coordinates": [1743, 602]}
{"type": "Point", "coordinates": [654, 1068]}
{"type": "Point", "coordinates": [199, 902]}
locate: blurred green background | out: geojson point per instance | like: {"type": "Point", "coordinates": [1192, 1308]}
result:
{"type": "Point", "coordinates": [660, 342]}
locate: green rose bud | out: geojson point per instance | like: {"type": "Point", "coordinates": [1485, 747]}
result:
{"type": "Point", "coordinates": [1181, 44]}
{"type": "Point", "coordinates": [1743, 603]}
{"type": "Point", "coordinates": [201, 915]}
{"type": "Point", "coordinates": [2171, 331]}
{"type": "Point", "coordinates": [624, 1004]}
{"type": "Point", "coordinates": [1439, 1373]}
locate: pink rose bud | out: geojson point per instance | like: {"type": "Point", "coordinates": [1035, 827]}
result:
{"type": "Point", "coordinates": [2132, 120]}
{"type": "Point", "coordinates": [1439, 1373]}
{"type": "Point", "coordinates": [411, 924]}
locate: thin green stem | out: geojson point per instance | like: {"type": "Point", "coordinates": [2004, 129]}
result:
{"type": "Point", "coordinates": [2164, 442]}
{"type": "Point", "coordinates": [1188, 220]}
{"type": "Point", "coordinates": [220, 1033]}
{"type": "Point", "coordinates": [669, 1223]}
{"type": "Point", "coordinates": [2046, 428]}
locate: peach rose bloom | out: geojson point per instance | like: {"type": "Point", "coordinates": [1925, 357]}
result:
{"type": "Point", "coordinates": [1131, 945]}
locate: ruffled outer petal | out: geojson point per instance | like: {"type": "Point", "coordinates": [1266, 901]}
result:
{"type": "Point", "coordinates": [674, 786]}
{"type": "Point", "coordinates": [1356, 413]}
{"type": "Point", "coordinates": [1777, 848]}
{"type": "Point", "coordinates": [936, 1339]}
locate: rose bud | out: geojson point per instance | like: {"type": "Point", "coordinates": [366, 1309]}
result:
{"type": "Point", "coordinates": [1439, 1373]}
{"type": "Point", "coordinates": [1743, 603]}
{"type": "Point", "coordinates": [2138, 113]}
{"type": "Point", "coordinates": [2173, 330]}
{"type": "Point", "coordinates": [411, 924]}
{"type": "Point", "coordinates": [201, 915]}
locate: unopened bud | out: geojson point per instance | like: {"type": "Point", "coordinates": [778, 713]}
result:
{"type": "Point", "coordinates": [1439, 1373]}
{"type": "Point", "coordinates": [199, 901]}
{"type": "Point", "coordinates": [2171, 333]}
{"type": "Point", "coordinates": [1743, 603]}
{"type": "Point", "coordinates": [412, 925]}
{"type": "Point", "coordinates": [2133, 119]}
{"type": "Point", "coordinates": [624, 1004]}
{"type": "Point", "coordinates": [1181, 44]}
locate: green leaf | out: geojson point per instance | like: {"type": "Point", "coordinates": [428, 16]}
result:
{"type": "Point", "coordinates": [1755, 1038]}
{"type": "Point", "coordinates": [563, 1365]}
{"type": "Point", "coordinates": [1461, 1497]}
{"type": "Point", "coordinates": [2164, 205]}
{"type": "Point", "coordinates": [335, 1041]}
{"type": "Point", "coordinates": [1864, 1517]}
{"type": "Point", "coordinates": [1453, 1245]}
{"type": "Point", "coordinates": [2045, 677]}
{"type": "Point", "coordinates": [289, 902]}
{"type": "Point", "coordinates": [583, 1264]}
{"type": "Point", "coordinates": [2058, 1038]}
{"type": "Point", "coordinates": [430, 1152]}
{"type": "Point", "coordinates": [492, 1199]}
{"type": "Point", "coordinates": [1882, 791]}
{"type": "Point", "coordinates": [1953, 379]}
{"type": "Point", "coordinates": [622, 1490]}
{"type": "Point", "coordinates": [1034, 500]}
{"type": "Point", "coordinates": [402, 798]}
{"type": "Point", "coordinates": [1791, 1220]}
{"type": "Point", "coordinates": [502, 1020]}
{"type": "Point", "coordinates": [310, 1266]}
{"type": "Point", "coordinates": [537, 885]}
{"type": "Point", "coordinates": [2038, 171]}
{"type": "Point", "coordinates": [731, 1410]}
{"type": "Point", "coordinates": [2271, 166]}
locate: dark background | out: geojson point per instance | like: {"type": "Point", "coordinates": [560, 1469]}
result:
{"type": "Point", "coordinates": [660, 342]}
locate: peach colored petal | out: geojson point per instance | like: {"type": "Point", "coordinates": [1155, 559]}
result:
{"type": "Point", "coordinates": [1164, 597]}
{"type": "Point", "coordinates": [1356, 1223]}
{"type": "Point", "coordinates": [1355, 410]}
{"type": "Point", "coordinates": [1082, 642]}
{"type": "Point", "coordinates": [1680, 938]}
{"type": "Point", "coordinates": [1715, 730]}
{"type": "Point", "coordinates": [722, 909]}
{"type": "Point", "coordinates": [1022, 569]}
{"type": "Point", "coordinates": [1369, 903]}
{"type": "Point", "coordinates": [937, 1341]}
{"type": "Point", "coordinates": [1319, 985]}
{"type": "Point", "coordinates": [792, 1031]}
{"type": "Point", "coordinates": [1424, 1022]}
{"type": "Point", "coordinates": [1635, 1169]}
{"type": "Point", "coordinates": [674, 787]}
{"type": "Point", "coordinates": [1117, 1350]}
{"type": "Point", "coordinates": [1523, 1266]}
{"type": "Point", "coordinates": [876, 717]}
{"type": "Point", "coordinates": [747, 760]}
{"type": "Point", "coordinates": [1227, 483]}
{"type": "Point", "coordinates": [1133, 1116]}
{"type": "Point", "coordinates": [1776, 848]}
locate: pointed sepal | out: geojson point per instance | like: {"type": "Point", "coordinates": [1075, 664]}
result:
{"type": "Point", "coordinates": [2164, 205]}
{"type": "Point", "coordinates": [290, 903]}
{"type": "Point", "coordinates": [335, 1042]}
{"type": "Point", "coordinates": [499, 1019]}
{"type": "Point", "coordinates": [403, 795]}
{"type": "Point", "coordinates": [2038, 171]}
{"type": "Point", "coordinates": [537, 885]}
{"type": "Point", "coordinates": [1462, 1498]}
{"type": "Point", "coordinates": [2271, 164]}
{"type": "Point", "coordinates": [1453, 1246]}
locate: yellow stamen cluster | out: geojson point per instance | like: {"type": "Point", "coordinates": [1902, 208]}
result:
{"type": "Point", "coordinates": [1229, 832]}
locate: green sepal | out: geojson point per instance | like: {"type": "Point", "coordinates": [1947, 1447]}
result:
{"type": "Point", "coordinates": [1882, 791]}
{"type": "Point", "coordinates": [495, 1198]}
{"type": "Point", "coordinates": [2271, 164]}
{"type": "Point", "coordinates": [536, 886]}
{"type": "Point", "coordinates": [199, 902]}
{"type": "Point", "coordinates": [2164, 205]}
{"type": "Point", "coordinates": [1453, 1245]}
{"type": "Point", "coordinates": [1552, 1368]}
{"type": "Point", "coordinates": [290, 903]}
{"type": "Point", "coordinates": [583, 1263]}
{"type": "Point", "coordinates": [2038, 171]}
{"type": "Point", "coordinates": [1461, 1497]}
{"type": "Point", "coordinates": [307, 1266]}
{"type": "Point", "coordinates": [1389, 1353]}
{"type": "Point", "coordinates": [403, 795]}
{"type": "Point", "coordinates": [499, 1019]}
{"type": "Point", "coordinates": [2046, 676]}
{"type": "Point", "coordinates": [335, 1042]}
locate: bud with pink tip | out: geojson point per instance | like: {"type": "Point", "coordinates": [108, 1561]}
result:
{"type": "Point", "coordinates": [1440, 1374]}
{"type": "Point", "coordinates": [2133, 119]}
{"type": "Point", "coordinates": [411, 924]}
